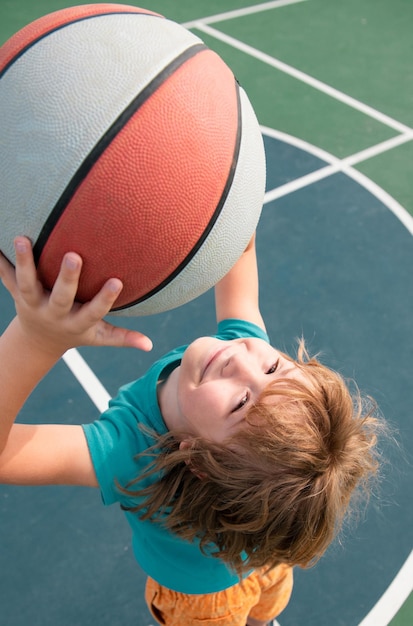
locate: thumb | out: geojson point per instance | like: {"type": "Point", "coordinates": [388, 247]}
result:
{"type": "Point", "coordinates": [115, 336]}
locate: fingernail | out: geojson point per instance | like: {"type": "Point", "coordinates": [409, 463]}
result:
{"type": "Point", "coordinates": [71, 262]}
{"type": "Point", "coordinates": [115, 285]}
{"type": "Point", "coordinates": [20, 246]}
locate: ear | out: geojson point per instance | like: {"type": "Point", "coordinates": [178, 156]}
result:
{"type": "Point", "coordinates": [186, 444]}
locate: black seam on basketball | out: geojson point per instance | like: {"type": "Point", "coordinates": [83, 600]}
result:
{"type": "Point", "coordinates": [105, 141]}
{"type": "Point", "coordinates": [211, 222]}
{"type": "Point", "coordinates": [57, 28]}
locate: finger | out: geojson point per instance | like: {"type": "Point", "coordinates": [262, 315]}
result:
{"type": "Point", "coordinates": [135, 339]}
{"type": "Point", "coordinates": [91, 314]}
{"type": "Point", "coordinates": [101, 304]}
{"type": "Point", "coordinates": [8, 275]}
{"type": "Point", "coordinates": [64, 290]}
{"type": "Point", "coordinates": [115, 336]}
{"type": "Point", "coordinates": [26, 273]}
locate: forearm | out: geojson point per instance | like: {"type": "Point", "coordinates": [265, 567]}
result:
{"type": "Point", "coordinates": [23, 364]}
{"type": "Point", "coordinates": [237, 294]}
{"type": "Point", "coordinates": [48, 324]}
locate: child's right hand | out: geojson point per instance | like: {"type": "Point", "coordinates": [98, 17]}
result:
{"type": "Point", "coordinates": [52, 321]}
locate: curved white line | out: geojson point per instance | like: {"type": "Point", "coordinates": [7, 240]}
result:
{"type": "Point", "coordinates": [334, 165]}
{"type": "Point", "coordinates": [300, 143]}
{"type": "Point", "coordinates": [402, 585]}
{"type": "Point", "coordinates": [393, 598]}
{"type": "Point", "coordinates": [388, 200]}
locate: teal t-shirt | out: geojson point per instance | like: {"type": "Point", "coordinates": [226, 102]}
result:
{"type": "Point", "coordinates": [115, 439]}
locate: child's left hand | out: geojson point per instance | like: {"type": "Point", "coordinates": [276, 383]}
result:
{"type": "Point", "coordinates": [52, 321]}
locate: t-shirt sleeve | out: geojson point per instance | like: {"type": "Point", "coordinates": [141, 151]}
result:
{"type": "Point", "coordinates": [114, 441]}
{"type": "Point", "coordinates": [235, 329]}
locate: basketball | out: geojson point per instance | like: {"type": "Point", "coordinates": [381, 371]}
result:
{"type": "Point", "coordinates": [126, 139]}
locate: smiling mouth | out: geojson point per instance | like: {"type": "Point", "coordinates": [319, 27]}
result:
{"type": "Point", "coordinates": [212, 359]}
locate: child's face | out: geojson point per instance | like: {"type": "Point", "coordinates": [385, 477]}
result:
{"type": "Point", "coordinates": [216, 383]}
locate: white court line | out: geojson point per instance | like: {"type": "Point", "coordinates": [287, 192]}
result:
{"type": "Point", "coordinates": [299, 183]}
{"type": "Point", "coordinates": [401, 586]}
{"type": "Point", "coordinates": [336, 165]}
{"type": "Point", "coordinates": [305, 78]}
{"type": "Point", "coordinates": [87, 379]}
{"type": "Point", "coordinates": [393, 598]}
{"type": "Point", "coordinates": [230, 15]}
{"type": "Point", "coordinates": [388, 200]}
{"type": "Point", "coordinates": [379, 148]}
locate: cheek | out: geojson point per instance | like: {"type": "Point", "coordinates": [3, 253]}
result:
{"type": "Point", "coordinates": [202, 405]}
{"type": "Point", "coordinates": [200, 402]}
{"type": "Point", "coordinates": [198, 348]}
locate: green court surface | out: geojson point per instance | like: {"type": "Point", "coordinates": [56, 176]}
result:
{"type": "Point", "coordinates": [332, 86]}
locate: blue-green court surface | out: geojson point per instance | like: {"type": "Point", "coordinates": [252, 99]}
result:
{"type": "Point", "coordinates": [332, 85]}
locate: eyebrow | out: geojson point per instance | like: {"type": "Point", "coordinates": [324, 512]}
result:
{"type": "Point", "coordinates": [285, 359]}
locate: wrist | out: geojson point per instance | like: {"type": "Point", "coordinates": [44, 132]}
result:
{"type": "Point", "coordinates": [30, 345]}
{"type": "Point", "coordinates": [24, 364]}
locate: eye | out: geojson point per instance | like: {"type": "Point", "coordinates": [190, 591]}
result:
{"type": "Point", "coordinates": [273, 367]}
{"type": "Point", "coordinates": [242, 403]}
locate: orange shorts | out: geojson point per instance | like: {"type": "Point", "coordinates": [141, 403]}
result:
{"type": "Point", "coordinates": [261, 596]}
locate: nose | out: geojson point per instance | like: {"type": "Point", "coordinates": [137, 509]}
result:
{"type": "Point", "coordinates": [241, 364]}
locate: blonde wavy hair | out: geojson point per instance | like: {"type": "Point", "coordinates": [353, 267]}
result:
{"type": "Point", "coordinates": [277, 491]}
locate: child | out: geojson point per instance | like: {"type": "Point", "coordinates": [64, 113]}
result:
{"type": "Point", "coordinates": [232, 461]}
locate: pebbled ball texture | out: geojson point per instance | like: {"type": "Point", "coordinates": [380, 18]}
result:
{"type": "Point", "coordinates": [130, 142]}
